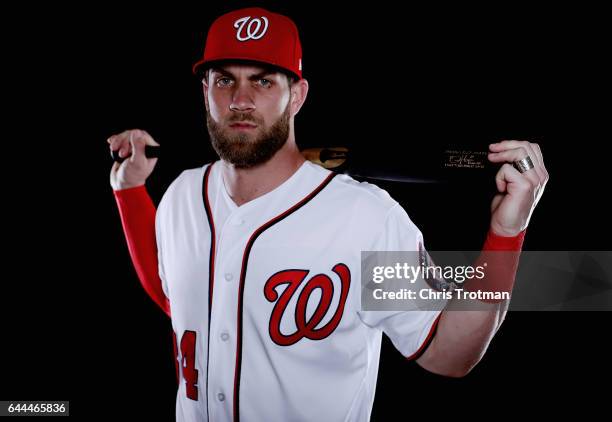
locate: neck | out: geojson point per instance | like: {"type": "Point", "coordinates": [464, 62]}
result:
{"type": "Point", "coordinates": [244, 185]}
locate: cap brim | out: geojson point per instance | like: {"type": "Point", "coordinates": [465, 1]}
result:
{"type": "Point", "coordinates": [202, 65]}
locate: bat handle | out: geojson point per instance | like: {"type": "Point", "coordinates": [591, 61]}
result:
{"type": "Point", "coordinates": [151, 151]}
{"type": "Point", "coordinates": [328, 154]}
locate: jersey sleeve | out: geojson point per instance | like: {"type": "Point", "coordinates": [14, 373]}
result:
{"type": "Point", "coordinates": [410, 331]}
{"type": "Point", "coordinates": [137, 213]}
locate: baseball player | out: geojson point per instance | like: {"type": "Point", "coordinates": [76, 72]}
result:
{"type": "Point", "coordinates": [257, 256]}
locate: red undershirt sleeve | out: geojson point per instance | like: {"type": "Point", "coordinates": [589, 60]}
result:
{"type": "Point", "coordinates": [137, 213]}
{"type": "Point", "coordinates": [501, 255]}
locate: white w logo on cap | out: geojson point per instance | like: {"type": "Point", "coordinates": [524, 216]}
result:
{"type": "Point", "coordinates": [254, 29]}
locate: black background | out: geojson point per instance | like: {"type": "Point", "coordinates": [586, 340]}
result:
{"type": "Point", "coordinates": [76, 324]}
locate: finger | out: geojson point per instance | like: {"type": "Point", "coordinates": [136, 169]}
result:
{"type": "Point", "coordinates": [538, 150]}
{"type": "Point", "coordinates": [522, 151]}
{"type": "Point", "coordinates": [509, 155]}
{"type": "Point", "coordinates": [114, 142]}
{"type": "Point", "coordinates": [120, 143]}
{"type": "Point", "coordinates": [508, 174]}
{"type": "Point", "coordinates": [512, 155]}
{"type": "Point", "coordinates": [137, 142]}
{"type": "Point", "coordinates": [536, 158]}
{"type": "Point", "coordinates": [148, 138]}
{"type": "Point", "coordinates": [506, 144]}
{"type": "Point", "coordinates": [512, 144]}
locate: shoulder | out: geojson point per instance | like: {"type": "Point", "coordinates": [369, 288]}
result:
{"type": "Point", "coordinates": [363, 206]}
{"type": "Point", "coordinates": [364, 196]}
{"type": "Point", "coordinates": [180, 189]}
{"type": "Point", "coordinates": [368, 206]}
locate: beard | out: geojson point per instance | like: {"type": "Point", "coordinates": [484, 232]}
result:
{"type": "Point", "coordinates": [245, 150]}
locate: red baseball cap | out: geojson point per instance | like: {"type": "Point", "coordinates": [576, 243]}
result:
{"type": "Point", "coordinates": [254, 34]}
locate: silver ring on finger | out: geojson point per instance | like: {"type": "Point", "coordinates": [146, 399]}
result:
{"type": "Point", "coordinates": [523, 164]}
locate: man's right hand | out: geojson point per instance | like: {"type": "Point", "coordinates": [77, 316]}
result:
{"type": "Point", "coordinates": [133, 171]}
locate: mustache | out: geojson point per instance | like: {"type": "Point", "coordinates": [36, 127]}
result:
{"type": "Point", "coordinates": [239, 117]}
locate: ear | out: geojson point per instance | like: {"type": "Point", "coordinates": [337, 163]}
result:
{"type": "Point", "coordinates": [205, 90]}
{"type": "Point", "coordinates": [299, 91]}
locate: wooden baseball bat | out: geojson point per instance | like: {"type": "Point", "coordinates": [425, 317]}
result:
{"type": "Point", "coordinates": [439, 165]}
{"type": "Point", "coordinates": [443, 165]}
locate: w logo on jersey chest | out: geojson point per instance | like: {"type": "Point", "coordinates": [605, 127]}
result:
{"type": "Point", "coordinates": [306, 327]}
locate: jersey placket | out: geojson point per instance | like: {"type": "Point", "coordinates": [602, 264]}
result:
{"type": "Point", "coordinates": [222, 348]}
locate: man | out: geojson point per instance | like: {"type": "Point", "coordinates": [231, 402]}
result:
{"type": "Point", "coordinates": [256, 257]}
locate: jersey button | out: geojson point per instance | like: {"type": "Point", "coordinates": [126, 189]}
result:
{"type": "Point", "coordinates": [224, 336]}
{"type": "Point", "coordinates": [237, 221]}
{"type": "Point", "coordinates": [229, 276]}
{"type": "Point", "coordinates": [221, 396]}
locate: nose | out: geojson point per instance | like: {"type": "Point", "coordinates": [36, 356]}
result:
{"type": "Point", "coordinates": [242, 99]}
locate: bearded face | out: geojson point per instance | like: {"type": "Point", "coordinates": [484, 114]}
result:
{"type": "Point", "coordinates": [244, 139]}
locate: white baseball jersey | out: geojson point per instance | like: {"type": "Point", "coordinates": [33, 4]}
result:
{"type": "Point", "coordinates": [265, 297]}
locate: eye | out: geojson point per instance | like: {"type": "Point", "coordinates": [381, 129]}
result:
{"type": "Point", "coordinates": [223, 81]}
{"type": "Point", "coordinates": [266, 83]}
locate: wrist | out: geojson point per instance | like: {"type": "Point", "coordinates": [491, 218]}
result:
{"type": "Point", "coordinates": [125, 186]}
{"type": "Point", "coordinates": [498, 242]}
{"type": "Point", "coordinates": [504, 231]}
{"type": "Point", "coordinates": [136, 194]}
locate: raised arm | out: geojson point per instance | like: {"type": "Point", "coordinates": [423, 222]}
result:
{"type": "Point", "coordinates": [137, 210]}
{"type": "Point", "coordinates": [463, 336]}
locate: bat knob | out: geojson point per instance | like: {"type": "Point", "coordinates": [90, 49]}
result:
{"type": "Point", "coordinates": [151, 151]}
{"type": "Point", "coordinates": [329, 154]}
{"type": "Point", "coordinates": [329, 158]}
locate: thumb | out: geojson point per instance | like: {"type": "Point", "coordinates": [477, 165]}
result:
{"type": "Point", "coordinates": [507, 174]}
